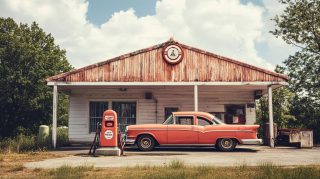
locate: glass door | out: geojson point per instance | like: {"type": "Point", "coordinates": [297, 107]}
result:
{"type": "Point", "coordinates": [127, 113]}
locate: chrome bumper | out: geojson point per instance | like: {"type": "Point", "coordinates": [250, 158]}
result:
{"type": "Point", "coordinates": [130, 141]}
{"type": "Point", "coordinates": [251, 141]}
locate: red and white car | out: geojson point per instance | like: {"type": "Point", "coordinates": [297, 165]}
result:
{"type": "Point", "coordinates": [192, 128]}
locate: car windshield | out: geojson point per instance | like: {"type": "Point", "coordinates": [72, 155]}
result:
{"type": "Point", "coordinates": [169, 120]}
{"type": "Point", "coordinates": [217, 120]}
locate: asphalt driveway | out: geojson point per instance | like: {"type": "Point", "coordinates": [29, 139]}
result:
{"type": "Point", "coordinates": [244, 155]}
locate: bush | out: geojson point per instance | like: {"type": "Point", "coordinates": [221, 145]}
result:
{"type": "Point", "coordinates": [62, 136]}
{"type": "Point", "coordinates": [20, 143]}
{"type": "Point", "coordinates": [25, 143]}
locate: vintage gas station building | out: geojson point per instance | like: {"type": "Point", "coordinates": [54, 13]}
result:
{"type": "Point", "coordinates": [145, 86]}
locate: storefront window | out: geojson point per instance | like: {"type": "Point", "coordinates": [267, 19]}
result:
{"type": "Point", "coordinates": [127, 113]}
{"type": "Point", "coordinates": [235, 114]}
{"type": "Point", "coordinates": [96, 109]}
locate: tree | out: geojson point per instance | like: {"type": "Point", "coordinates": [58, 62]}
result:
{"type": "Point", "coordinates": [282, 101]}
{"type": "Point", "coordinates": [27, 57]}
{"type": "Point", "coordinates": [299, 25]}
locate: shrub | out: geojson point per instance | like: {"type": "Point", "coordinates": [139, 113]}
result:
{"type": "Point", "coordinates": [20, 143]}
{"type": "Point", "coordinates": [25, 143]}
{"type": "Point", "coordinates": [62, 136]}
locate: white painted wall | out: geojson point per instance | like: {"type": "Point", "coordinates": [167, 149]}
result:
{"type": "Point", "coordinates": [211, 99]}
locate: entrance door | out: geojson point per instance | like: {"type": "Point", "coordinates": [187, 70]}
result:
{"type": "Point", "coordinates": [127, 113]}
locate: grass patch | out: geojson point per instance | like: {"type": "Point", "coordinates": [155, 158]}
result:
{"type": "Point", "coordinates": [174, 169]}
{"type": "Point", "coordinates": [176, 164]}
{"type": "Point", "coordinates": [11, 164]}
{"type": "Point", "coordinates": [16, 168]}
{"type": "Point", "coordinates": [70, 172]}
{"type": "Point", "coordinates": [274, 172]}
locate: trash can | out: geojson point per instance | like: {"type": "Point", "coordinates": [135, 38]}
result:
{"type": "Point", "coordinates": [266, 135]}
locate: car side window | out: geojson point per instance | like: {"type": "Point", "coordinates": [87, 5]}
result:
{"type": "Point", "coordinates": [184, 120]}
{"type": "Point", "coordinates": [203, 121]}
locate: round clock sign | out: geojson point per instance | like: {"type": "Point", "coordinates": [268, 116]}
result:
{"type": "Point", "coordinates": [172, 54]}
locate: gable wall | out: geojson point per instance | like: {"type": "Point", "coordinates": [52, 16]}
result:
{"type": "Point", "coordinates": [149, 66]}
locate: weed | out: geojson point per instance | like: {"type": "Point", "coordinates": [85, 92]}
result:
{"type": "Point", "coordinates": [176, 164]}
{"type": "Point", "coordinates": [17, 168]}
{"type": "Point", "coordinates": [70, 172]}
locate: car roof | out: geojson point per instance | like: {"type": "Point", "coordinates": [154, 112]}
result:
{"type": "Point", "coordinates": [204, 114]}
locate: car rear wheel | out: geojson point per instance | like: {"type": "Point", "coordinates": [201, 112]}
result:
{"type": "Point", "coordinates": [226, 144]}
{"type": "Point", "coordinates": [146, 143]}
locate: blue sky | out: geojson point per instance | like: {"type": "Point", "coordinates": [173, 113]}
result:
{"type": "Point", "coordinates": [96, 30]}
{"type": "Point", "coordinates": [101, 10]}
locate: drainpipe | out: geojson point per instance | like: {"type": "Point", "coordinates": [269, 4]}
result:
{"type": "Point", "coordinates": [156, 111]}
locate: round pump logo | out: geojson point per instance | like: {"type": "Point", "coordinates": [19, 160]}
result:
{"type": "Point", "coordinates": [172, 54]}
{"type": "Point", "coordinates": [108, 134]}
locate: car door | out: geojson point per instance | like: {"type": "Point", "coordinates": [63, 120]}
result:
{"type": "Point", "coordinates": [183, 130]}
{"type": "Point", "coordinates": [206, 130]}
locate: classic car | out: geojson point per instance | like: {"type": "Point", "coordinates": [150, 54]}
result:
{"type": "Point", "coordinates": [191, 128]}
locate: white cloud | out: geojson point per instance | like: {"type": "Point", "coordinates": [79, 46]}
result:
{"type": "Point", "coordinates": [225, 27]}
{"type": "Point", "coordinates": [276, 50]}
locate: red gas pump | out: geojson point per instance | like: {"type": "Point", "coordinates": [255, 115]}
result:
{"type": "Point", "coordinates": [106, 141]}
{"type": "Point", "coordinates": [109, 129]}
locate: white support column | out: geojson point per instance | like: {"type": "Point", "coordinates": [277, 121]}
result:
{"type": "Point", "coordinates": [271, 132]}
{"type": "Point", "coordinates": [195, 97]}
{"type": "Point", "coordinates": [54, 116]}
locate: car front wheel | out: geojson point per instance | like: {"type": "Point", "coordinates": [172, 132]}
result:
{"type": "Point", "coordinates": [146, 143]}
{"type": "Point", "coordinates": [226, 144]}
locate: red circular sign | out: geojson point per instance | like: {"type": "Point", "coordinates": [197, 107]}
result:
{"type": "Point", "coordinates": [172, 54]}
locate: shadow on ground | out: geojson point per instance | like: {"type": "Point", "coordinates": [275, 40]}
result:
{"type": "Point", "coordinates": [188, 149]}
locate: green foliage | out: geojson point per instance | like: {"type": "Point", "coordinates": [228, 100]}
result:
{"type": "Point", "coordinates": [25, 143]}
{"type": "Point", "coordinates": [282, 101]}
{"type": "Point", "coordinates": [20, 143]}
{"type": "Point", "coordinates": [62, 136]}
{"type": "Point", "coordinates": [27, 57]}
{"type": "Point", "coordinates": [299, 25]}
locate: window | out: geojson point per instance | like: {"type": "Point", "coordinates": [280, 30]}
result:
{"type": "Point", "coordinates": [127, 113]}
{"type": "Point", "coordinates": [168, 111]}
{"type": "Point", "coordinates": [203, 121]}
{"type": "Point", "coordinates": [235, 114]}
{"type": "Point", "coordinates": [184, 120]}
{"type": "Point", "coordinates": [169, 120]}
{"type": "Point", "coordinates": [96, 109]}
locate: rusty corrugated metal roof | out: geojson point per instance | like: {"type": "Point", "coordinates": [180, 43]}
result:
{"type": "Point", "coordinates": [147, 65]}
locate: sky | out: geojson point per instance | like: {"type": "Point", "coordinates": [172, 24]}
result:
{"type": "Point", "coordinates": [96, 30]}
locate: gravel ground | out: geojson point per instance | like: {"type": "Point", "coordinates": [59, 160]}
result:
{"type": "Point", "coordinates": [244, 155]}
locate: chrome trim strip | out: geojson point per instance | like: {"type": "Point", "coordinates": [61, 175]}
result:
{"type": "Point", "coordinates": [251, 141]}
{"type": "Point", "coordinates": [195, 130]}
{"type": "Point", "coordinates": [130, 141]}
{"type": "Point", "coordinates": [187, 144]}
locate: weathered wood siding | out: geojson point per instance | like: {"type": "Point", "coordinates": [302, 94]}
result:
{"type": "Point", "coordinates": [210, 100]}
{"type": "Point", "coordinates": [148, 66]}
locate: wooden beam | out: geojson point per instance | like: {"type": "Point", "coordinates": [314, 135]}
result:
{"type": "Point", "coordinates": [196, 98]}
{"type": "Point", "coordinates": [54, 116]}
{"type": "Point", "coordinates": [271, 132]}
{"type": "Point", "coordinates": [257, 83]}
